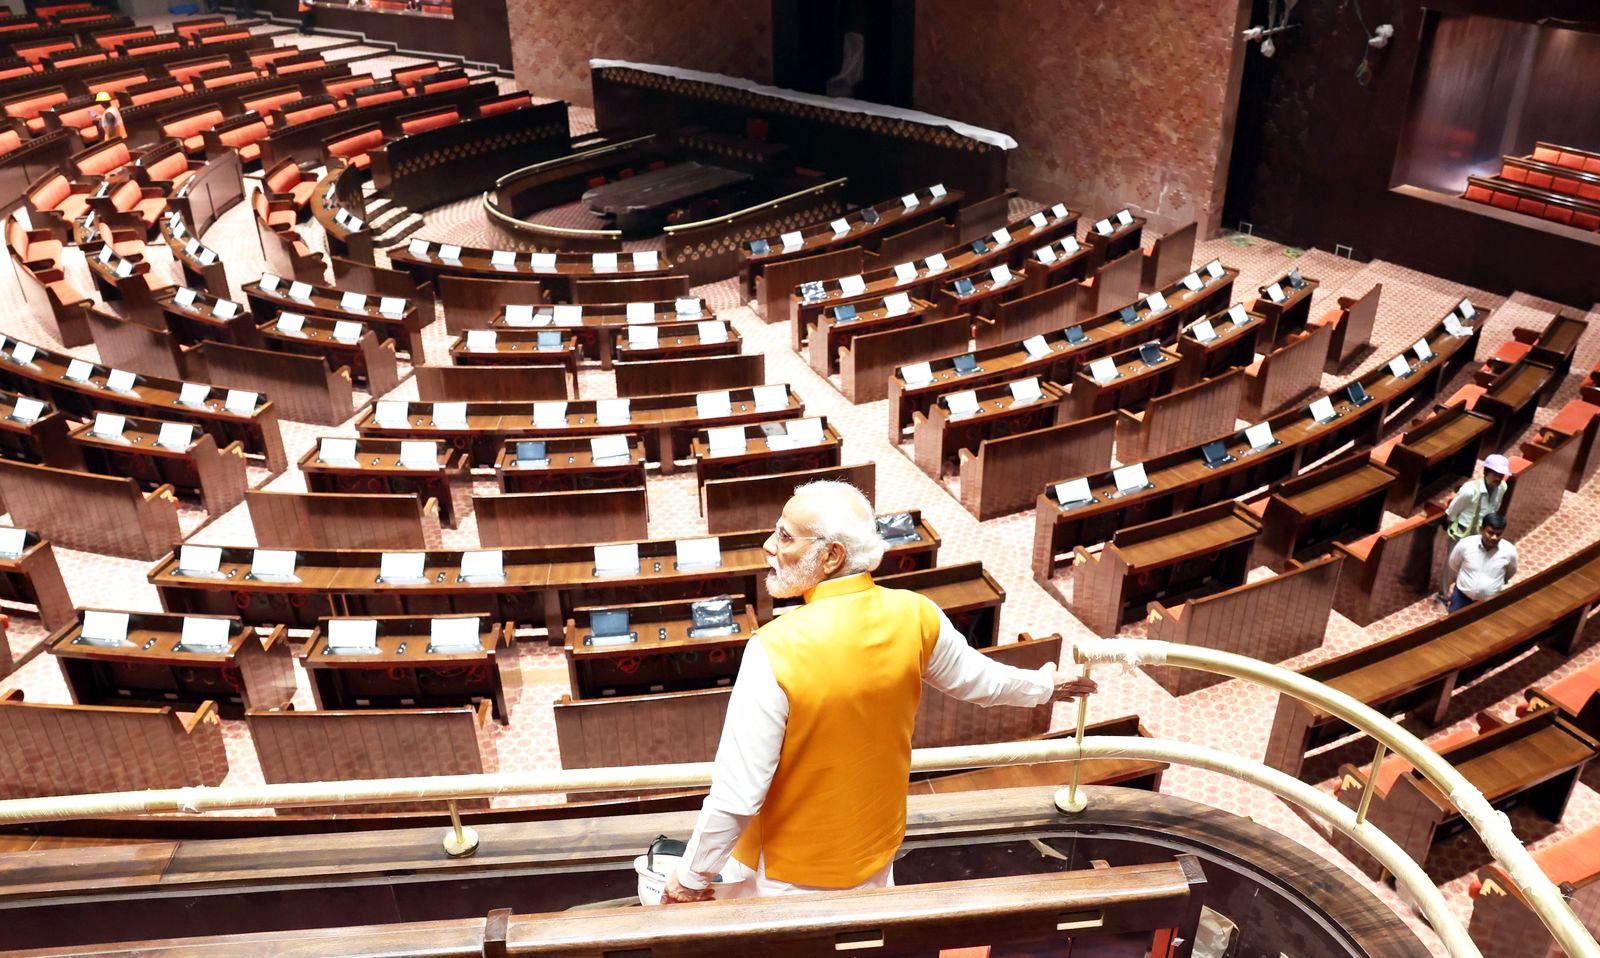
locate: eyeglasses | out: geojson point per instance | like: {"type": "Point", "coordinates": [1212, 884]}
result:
{"type": "Point", "coordinates": [785, 536]}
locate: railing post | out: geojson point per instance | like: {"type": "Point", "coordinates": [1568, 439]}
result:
{"type": "Point", "coordinates": [1070, 800]}
{"type": "Point", "coordinates": [1372, 783]}
{"type": "Point", "coordinates": [460, 841]}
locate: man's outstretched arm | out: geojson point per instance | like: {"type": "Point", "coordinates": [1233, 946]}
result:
{"type": "Point", "coordinates": [958, 669]}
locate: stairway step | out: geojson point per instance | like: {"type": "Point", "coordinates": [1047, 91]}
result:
{"type": "Point", "coordinates": [400, 231]}
{"type": "Point", "coordinates": [387, 218]}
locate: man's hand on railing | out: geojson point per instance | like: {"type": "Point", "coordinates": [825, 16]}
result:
{"type": "Point", "coordinates": [675, 892]}
{"type": "Point", "coordinates": [1069, 687]}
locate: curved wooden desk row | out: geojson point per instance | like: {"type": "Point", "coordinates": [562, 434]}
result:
{"type": "Point", "coordinates": [555, 271]}
{"type": "Point", "coordinates": [1180, 480]}
{"type": "Point", "coordinates": [31, 576]}
{"type": "Point", "coordinates": [603, 331]}
{"type": "Point", "coordinates": [519, 346]}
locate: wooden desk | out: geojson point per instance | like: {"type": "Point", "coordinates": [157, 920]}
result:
{"type": "Point", "coordinates": [601, 328]}
{"type": "Point", "coordinates": [985, 297]}
{"type": "Point", "coordinates": [521, 347]}
{"type": "Point", "coordinates": [152, 667]}
{"type": "Point", "coordinates": [1064, 268]}
{"type": "Point", "coordinates": [1194, 553]}
{"type": "Point", "coordinates": [216, 476]}
{"type": "Point", "coordinates": [967, 594]}
{"type": "Point", "coordinates": [34, 578]}
{"type": "Point", "coordinates": [1512, 399]}
{"type": "Point", "coordinates": [664, 657]}
{"type": "Point", "coordinates": [493, 383]}
{"type": "Point", "coordinates": [829, 335]}
{"type": "Point", "coordinates": [42, 440]}
{"type": "Point", "coordinates": [405, 672]}
{"type": "Point", "coordinates": [642, 201]}
{"type": "Point", "coordinates": [1234, 347]}
{"type": "Point", "coordinates": [1306, 513]}
{"type": "Point", "coordinates": [199, 322]}
{"type": "Point", "coordinates": [677, 341]}
{"type": "Point", "coordinates": [938, 439]}
{"type": "Point", "coordinates": [666, 423]}
{"type": "Point", "coordinates": [759, 457]}
{"type": "Point", "coordinates": [1434, 455]}
{"type": "Point", "coordinates": [377, 469]}
{"type": "Point", "coordinates": [871, 358]}
{"type": "Point", "coordinates": [569, 466]}
{"type": "Point", "coordinates": [1123, 239]}
{"type": "Point", "coordinates": [1135, 384]}
{"type": "Point", "coordinates": [1289, 316]}
{"type": "Point", "coordinates": [372, 364]}
{"type": "Point", "coordinates": [404, 326]}
{"type": "Point", "coordinates": [475, 261]}
{"type": "Point", "coordinates": [665, 377]}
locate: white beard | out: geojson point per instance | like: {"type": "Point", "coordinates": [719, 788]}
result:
{"type": "Point", "coordinates": [797, 579]}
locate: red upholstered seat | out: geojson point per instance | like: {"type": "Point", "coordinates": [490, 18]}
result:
{"type": "Point", "coordinates": [355, 148]}
{"type": "Point", "coordinates": [155, 96]}
{"type": "Point", "coordinates": [1512, 352]}
{"type": "Point", "coordinates": [9, 140]}
{"type": "Point", "coordinates": [1380, 453]}
{"type": "Point", "coordinates": [246, 139]}
{"type": "Point", "coordinates": [1362, 548]}
{"type": "Point", "coordinates": [1394, 766]}
{"type": "Point", "coordinates": [1467, 396]}
{"type": "Point", "coordinates": [504, 106]}
{"type": "Point", "coordinates": [1574, 417]}
{"type": "Point", "coordinates": [1568, 861]}
{"type": "Point", "coordinates": [310, 113]}
{"type": "Point", "coordinates": [106, 161]}
{"type": "Point", "coordinates": [172, 168]}
{"type": "Point", "coordinates": [425, 123]}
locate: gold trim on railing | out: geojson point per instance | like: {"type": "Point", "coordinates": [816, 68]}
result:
{"type": "Point", "coordinates": [736, 214]}
{"type": "Point", "coordinates": [525, 226]}
{"type": "Point", "coordinates": [596, 151]}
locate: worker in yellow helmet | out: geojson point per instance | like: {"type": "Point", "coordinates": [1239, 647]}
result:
{"type": "Point", "coordinates": [109, 119]}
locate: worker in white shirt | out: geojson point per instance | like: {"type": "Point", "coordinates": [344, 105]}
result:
{"type": "Point", "coordinates": [1475, 499]}
{"type": "Point", "coordinates": [1481, 565]}
{"type": "Point", "coordinates": [808, 791]}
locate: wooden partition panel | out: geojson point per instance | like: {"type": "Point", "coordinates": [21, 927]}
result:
{"type": "Point", "coordinates": [373, 743]}
{"type": "Point", "coordinates": [666, 377]}
{"type": "Point", "coordinates": [1171, 256]}
{"type": "Point", "coordinates": [644, 289]}
{"type": "Point", "coordinates": [1271, 619]}
{"type": "Point", "coordinates": [302, 388]}
{"type": "Point", "coordinates": [1287, 373]}
{"type": "Point", "coordinates": [110, 515]}
{"type": "Point", "coordinates": [336, 520]}
{"type": "Point", "coordinates": [1117, 282]}
{"type": "Point", "coordinates": [1005, 476]}
{"type": "Point", "coordinates": [566, 517]}
{"type": "Point", "coordinates": [491, 383]}
{"type": "Point", "coordinates": [776, 284]}
{"type": "Point", "coordinates": [871, 358]}
{"type": "Point", "coordinates": [1047, 311]}
{"type": "Point", "coordinates": [470, 303]}
{"type": "Point", "coordinates": [1354, 331]}
{"type": "Point", "coordinates": [1182, 418]}
{"type": "Point", "coordinates": [915, 243]}
{"type": "Point", "coordinates": [84, 749]}
{"type": "Point", "coordinates": [755, 502]}
{"type": "Point", "coordinates": [1536, 489]}
{"type": "Point", "coordinates": [129, 345]}
{"type": "Point", "coordinates": [982, 217]}
{"type": "Point", "coordinates": [945, 720]}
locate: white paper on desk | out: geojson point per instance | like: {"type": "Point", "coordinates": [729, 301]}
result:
{"type": "Point", "coordinates": [603, 448]}
{"type": "Point", "coordinates": [1001, 236]}
{"type": "Point", "coordinates": [1124, 217]}
{"type": "Point", "coordinates": [519, 314]}
{"type": "Point", "coordinates": [269, 282]}
{"type": "Point", "coordinates": [1422, 349]}
{"type": "Point", "coordinates": [1214, 269]}
{"type": "Point", "coordinates": [347, 331]}
{"type": "Point", "coordinates": [24, 352]}
{"type": "Point", "coordinates": [910, 201]}
{"type": "Point", "coordinates": [1156, 302]}
{"type": "Point", "coordinates": [502, 257]}
{"type": "Point", "coordinates": [703, 553]}
{"type": "Point", "coordinates": [623, 557]}
{"type": "Point", "coordinates": [1103, 370]}
{"type": "Point", "coordinates": [603, 262]}
{"type": "Point", "coordinates": [419, 454]}
{"type": "Point", "coordinates": [291, 323]}
{"type": "Point", "coordinates": [542, 261]}
{"type": "Point", "coordinates": [1059, 210]}
{"type": "Point", "coordinates": [1322, 409]}
{"type": "Point", "coordinates": [106, 252]}
{"type": "Point", "coordinates": [79, 371]}
{"type": "Point", "coordinates": [175, 435]}
{"type": "Point", "coordinates": [352, 634]}
{"type": "Point", "coordinates": [27, 409]}
{"type": "Point", "coordinates": [401, 566]}
{"type": "Point", "coordinates": [1073, 490]}
{"type": "Point", "coordinates": [455, 634]}
{"type": "Point", "coordinates": [1036, 347]}
{"type": "Point", "coordinates": [963, 403]}
{"type": "Point", "coordinates": [175, 221]}
{"type": "Point", "coordinates": [1466, 309]}
{"type": "Point", "coordinates": [1026, 390]}
{"type": "Point", "coordinates": [193, 394]}
{"type": "Point", "coordinates": [1045, 254]}
{"type": "Point", "coordinates": [184, 297]}
{"type": "Point", "coordinates": [567, 314]}
{"type": "Point", "coordinates": [417, 247]}
{"type": "Point", "coordinates": [917, 374]}
{"type": "Point", "coordinates": [1001, 275]}
{"type": "Point", "coordinates": [1129, 478]}
{"type": "Point", "coordinates": [207, 256]}
{"type": "Point", "coordinates": [353, 301]}
{"type": "Point", "coordinates": [840, 227]}
{"type": "Point", "coordinates": [936, 263]}
{"type": "Point", "coordinates": [792, 239]}
{"type": "Point", "coordinates": [300, 291]}
{"type": "Point", "coordinates": [643, 337]}
{"type": "Point", "coordinates": [1193, 283]}
{"type": "Point", "coordinates": [638, 313]}
{"type": "Point", "coordinates": [897, 304]}
{"type": "Point", "coordinates": [225, 309]}
{"type": "Point", "coordinates": [612, 412]}
{"type": "Point", "coordinates": [712, 331]}
{"type": "Point", "coordinates": [106, 626]}
{"type": "Point", "coordinates": [484, 564]}
{"type": "Point", "coordinates": [481, 340]}
{"type": "Point", "coordinates": [936, 190]}
{"type": "Point", "coordinates": [725, 440]}
{"type": "Point", "coordinates": [1275, 293]}
{"type": "Point", "coordinates": [393, 306]}
{"type": "Point", "coordinates": [108, 425]}
{"type": "Point", "coordinates": [199, 560]}
{"type": "Point", "coordinates": [1203, 331]}
{"type": "Point", "coordinates": [1237, 314]}
{"type": "Point", "coordinates": [713, 405]}
{"type": "Point", "coordinates": [451, 253]}
{"type": "Point", "coordinates": [804, 432]}
{"type": "Point", "coordinates": [1104, 228]}
{"type": "Point", "coordinates": [275, 562]}
{"type": "Point", "coordinates": [770, 396]}
{"type": "Point", "coordinates": [241, 402]}
{"type": "Point", "coordinates": [1070, 245]}
{"type": "Point", "coordinates": [1259, 436]}
{"type": "Point", "coordinates": [392, 412]}
{"type": "Point", "coordinates": [852, 285]}
{"type": "Point", "coordinates": [1453, 326]}
{"type": "Point", "coordinates": [13, 541]}
{"type": "Point", "coordinates": [336, 449]}
{"type": "Point", "coordinates": [551, 414]}
{"type": "Point", "coordinates": [687, 307]}
{"type": "Point", "coordinates": [647, 260]}
{"type": "Point", "coordinates": [905, 272]}
{"type": "Point", "coordinates": [1038, 220]}
{"type": "Point", "coordinates": [341, 216]}
{"type": "Point", "coordinates": [199, 632]}
{"type": "Point", "coordinates": [1398, 366]}
{"type": "Point", "coordinates": [450, 414]}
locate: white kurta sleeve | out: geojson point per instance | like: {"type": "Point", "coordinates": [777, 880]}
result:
{"type": "Point", "coordinates": [958, 669]}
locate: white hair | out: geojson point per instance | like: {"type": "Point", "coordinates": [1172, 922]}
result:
{"type": "Point", "coordinates": [848, 521]}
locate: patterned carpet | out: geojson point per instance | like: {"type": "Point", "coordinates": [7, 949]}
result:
{"type": "Point", "coordinates": [1230, 716]}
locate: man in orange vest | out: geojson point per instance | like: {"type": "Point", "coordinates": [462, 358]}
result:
{"type": "Point", "coordinates": [809, 788]}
